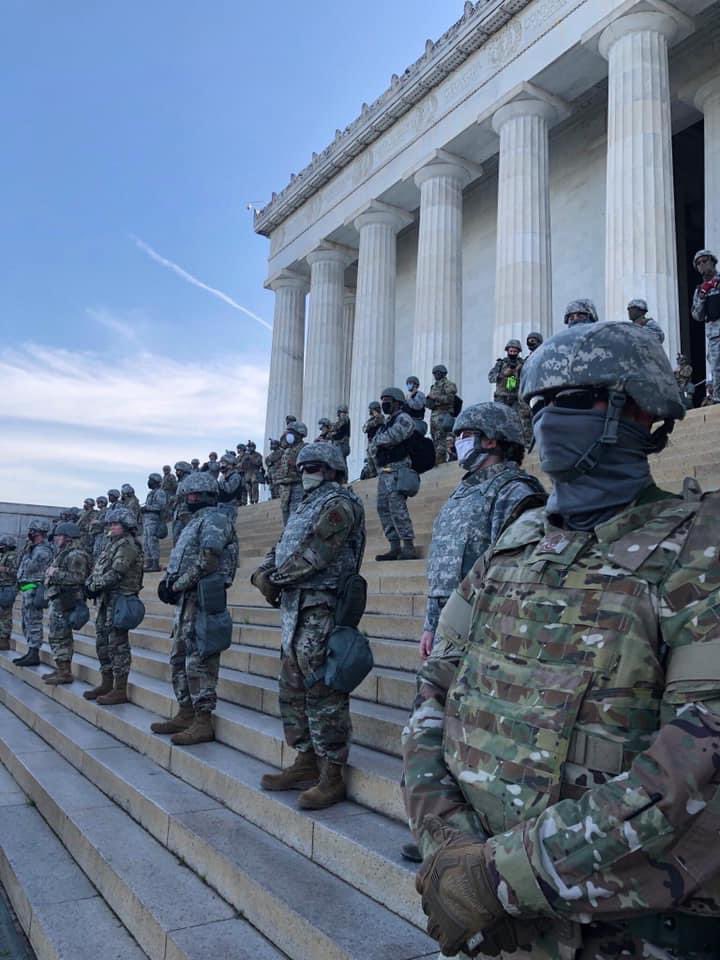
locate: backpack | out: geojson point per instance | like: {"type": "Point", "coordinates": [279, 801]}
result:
{"type": "Point", "coordinates": [421, 451]}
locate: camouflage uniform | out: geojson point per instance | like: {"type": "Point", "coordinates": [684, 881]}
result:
{"type": "Point", "coordinates": [506, 377]}
{"type": "Point", "coordinates": [153, 512]}
{"type": "Point", "coordinates": [230, 483]}
{"type": "Point", "coordinates": [85, 521]}
{"type": "Point", "coordinates": [34, 561]}
{"type": "Point", "coordinates": [131, 503]}
{"type": "Point", "coordinates": [118, 571]}
{"type": "Point", "coordinates": [169, 485]}
{"type": "Point", "coordinates": [207, 544]}
{"type": "Point", "coordinates": [683, 375]}
{"type": "Point", "coordinates": [370, 428]}
{"type": "Point", "coordinates": [441, 402]}
{"type": "Point", "coordinates": [253, 467]}
{"type": "Point", "coordinates": [8, 579]}
{"type": "Point", "coordinates": [242, 490]}
{"type": "Point", "coordinates": [64, 586]}
{"type": "Point", "coordinates": [388, 444]}
{"type": "Point", "coordinates": [180, 513]}
{"type": "Point", "coordinates": [706, 309]}
{"type": "Point", "coordinates": [272, 462]}
{"type": "Point", "coordinates": [97, 532]}
{"type": "Point", "coordinates": [289, 481]}
{"type": "Point", "coordinates": [340, 433]}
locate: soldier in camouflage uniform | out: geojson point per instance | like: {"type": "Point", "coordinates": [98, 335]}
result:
{"type": "Point", "coordinates": [153, 514]}
{"type": "Point", "coordinates": [321, 546]}
{"type": "Point", "coordinates": [706, 310]}
{"type": "Point", "coordinates": [561, 761]}
{"type": "Point", "coordinates": [272, 462]}
{"type": "Point", "coordinates": [389, 451]}
{"type": "Point", "coordinates": [169, 483]}
{"type": "Point", "coordinates": [117, 572]}
{"type": "Point", "coordinates": [683, 375]}
{"type": "Point", "coordinates": [97, 527]}
{"type": "Point", "coordinates": [85, 521]}
{"type": "Point", "coordinates": [340, 431]}
{"type": "Point", "coordinates": [180, 514]}
{"type": "Point", "coordinates": [505, 374]}
{"type": "Point", "coordinates": [441, 403]}
{"type": "Point", "coordinates": [324, 427]}
{"type": "Point", "coordinates": [415, 399]}
{"type": "Point", "coordinates": [533, 341]}
{"type": "Point", "coordinates": [637, 313]}
{"type": "Point", "coordinates": [8, 586]}
{"type": "Point", "coordinates": [34, 561]}
{"type": "Point", "coordinates": [580, 311]}
{"type": "Point", "coordinates": [212, 465]}
{"type": "Point", "coordinates": [208, 545]}
{"type": "Point", "coordinates": [113, 497]}
{"type": "Point", "coordinates": [287, 476]}
{"type": "Point", "coordinates": [230, 485]}
{"type": "Point", "coordinates": [65, 588]}
{"type": "Point", "coordinates": [243, 490]}
{"type": "Point", "coordinates": [131, 502]}
{"type": "Point", "coordinates": [253, 467]}
{"type": "Point", "coordinates": [370, 428]}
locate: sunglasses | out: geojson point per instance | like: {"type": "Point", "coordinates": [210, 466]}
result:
{"type": "Point", "coordinates": [581, 398]}
{"type": "Point", "coordinates": [311, 468]}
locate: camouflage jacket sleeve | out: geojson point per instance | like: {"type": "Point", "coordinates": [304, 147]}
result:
{"type": "Point", "coordinates": [73, 570]}
{"type": "Point", "coordinates": [395, 432]}
{"type": "Point", "coordinates": [495, 371]}
{"type": "Point", "coordinates": [333, 527]}
{"type": "Point", "coordinates": [698, 306]}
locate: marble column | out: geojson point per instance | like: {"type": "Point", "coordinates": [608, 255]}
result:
{"type": "Point", "coordinates": [348, 333]}
{"type": "Point", "coordinates": [707, 99]}
{"type": "Point", "coordinates": [285, 385]}
{"type": "Point", "coordinates": [323, 387]}
{"type": "Point", "coordinates": [640, 244]}
{"type": "Point", "coordinates": [523, 276]}
{"type": "Point", "coordinates": [373, 358]}
{"type": "Point", "coordinates": [437, 333]}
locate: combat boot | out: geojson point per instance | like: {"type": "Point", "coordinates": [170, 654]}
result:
{"type": "Point", "coordinates": [330, 789]}
{"type": "Point", "coordinates": [4, 643]}
{"type": "Point", "coordinates": [105, 686]}
{"type": "Point", "coordinates": [182, 721]}
{"type": "Point", "coordinates": [200, 731]}
{"type": "Point", "coordinates": [61, 674]}
{"type": "Point", "coordinates": [118, 694]}
{"type": "Point", "coordinates": [411, 852]}
{"type": "Point", "coordinates": [392, 554]}
{"type": "Point", "coordinates": [31, 658]}
{"type": "Point", "coordinates": [303, 773]}
{"type": "Point", "coordinates": [408, 551]}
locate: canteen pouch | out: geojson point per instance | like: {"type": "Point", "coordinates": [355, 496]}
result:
{"type": "Point", "coordinates": [39, 600]}
{"type": "Point", "coordinates": [349, 660]}
{"type": "Point", "coordinates": [213, 633]}
{"type": "Point", "coordinates": [211, 593]}
{"type": "Point", "coordinates": [128, 612]}
{"type": "Point", "coordinates": [7, 597]}
{"type": "Point", "coordinates": [408, 481]}
{"type": "Point", "coordinates": [162, 530]}
{"type": "Point", "coordinates": [78, 616]}
{"type": "Point", "coordinates": [351, 601]}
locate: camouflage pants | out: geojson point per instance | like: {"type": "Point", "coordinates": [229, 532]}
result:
{"type": "Point", "coordinates": [5, 622]}
{"type": "Point", "coordinates": [113, 646]}
{"type": "Point", "coordinates": [317, 718]}
{"type": "Point", "coordinates": [274, 491]}
{"type": "Point", "coordinates": [392, 508]}
{"type": "Point", "coordinates": [151, 543]}
{"type": "Point", "coordinates": [290, 497]}
{"type": "Point", "coordinates": [60, 633]}
{"type": "Point", "coordinates": [194, 679]}
{"type": "Point", "coordinates": [439, 435]}
{"type": "Point", "coordinates": [32, 621]}
{"type": "Point", "coordinates": [243, 494]}
{"type": "Point", "coordinates": [254, 488]}
{"type": "Point", "coordinates": [526, 420]}
{"type": "Point", "coordinates": [712, 333]}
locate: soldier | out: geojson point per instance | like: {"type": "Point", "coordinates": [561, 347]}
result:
{"type": "Point", "coordinates": [709, 398]}
{"type": "Point", "coordinates": [706, 308]}
{"type": "Point", "coordinates": [153, 513]}
{"type": "Point", "coordinates": [272, 462]}
{"type": "Point", "coordinates": [131, 502]}
{"type": "Point", "coordinates": [415, 402]}
{"type": "Point", "coordinates": [637, 312]}
{"type": "Point", "coordinates": [207, 545]}
{"type": "Point", "coordinates": [287, 476]}
{"type": "Point", "coordinates": [505, 374]}
{"type": "Point", "coordinates": [195, 464]}
{"type": "Point", "coordinates": [97, 528]}
{"type": "Point", "coordinates": [213, 464]}
{"type": "Point", "coordinates": [180, 514]}
{"type": "Point", "coordinates": [683, 375]}
{"type": "Point", "coordinates": [340, 431]}
{"type": "Point", "coordinates": [561, 760]}
{"type": "Point", "coordinates": [85, 521]}
{"type": "Point", "coordinates": [113, 498]}
{"type": "Point", "coordinates": [242, 490]}
{"type": "Point", "coordinates": [169, 483]}
{"type": "Point", "coordinates": [321, 546]}
{"type": "Point", "coordinates": [229, 485]}
{"type": "Point", "coordinates": [370, 428]}
{"type": "Point", "coordinates": [324, 426]}
{"type": "Point", "coordinates": [441, 402]}
{"type": "Point", "coordinates": [33, 564]}
{"type": "Point", "coordinates": [65, 585]}
{"type": "Point", "coordinates": [580, 311]}
{"type": "Point", "coordinates": [533, 341]}
{"type": "Point", "coordinates": [253, 467]}
{"type": "Point", "coordinates": [8, 586]}
{"type": "Point", "coordinates": [389, 450]}
{"type": "Point", "coordinates": [117, 572]}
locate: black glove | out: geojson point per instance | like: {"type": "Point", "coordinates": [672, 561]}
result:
{"type": "Point", "coordinates": [165, 593]}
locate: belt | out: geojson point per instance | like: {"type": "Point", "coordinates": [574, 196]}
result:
{"type": "Point", "coordinates": [685, 932]}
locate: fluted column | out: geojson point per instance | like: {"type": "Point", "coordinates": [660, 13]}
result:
{"type": "Point", "coordinates": [373, 357]}
{"type": "Point", "coordinates": [324, 354]}
{"type": "Point", "coordinates": [285, 386]}
{"type": "Point", "coordinates": [348, 333]}
{"type": "Point", "coordinates": [437, 334]}
{"type": "Point", "coordinates": [707, 99]}
{"type": "Point", "coordinates": [523, 277]}
{"type": "Point", "coordinates": [640, 245]}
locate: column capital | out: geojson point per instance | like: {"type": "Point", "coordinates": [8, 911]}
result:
{"type": "Point", "coordinates": [328, 252]}
{"type": "Point", "coordinates": [378, 212]}
{"type": "Point", "coordinates": [709, 90]}
{"type": "Point", "coordinates": [649, 21]}
{"type": "Point", "coordinates": [287, 278]}
{"type": "Point", "coordinates": [444, 164]}
{"type": "Point", "coordinates": [523, 108]}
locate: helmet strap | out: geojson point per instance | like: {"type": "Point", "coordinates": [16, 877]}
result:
{"type": "Point", "coordinates": [590, 459]}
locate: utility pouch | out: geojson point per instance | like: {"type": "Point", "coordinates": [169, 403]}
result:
{"type": "Point", "coordinates": [213, 632]}
{"type": "Point", "coordinates": [211, 596]}
{"type": "Point", "coordinates": [351, 601]}
{"type": "Point", "coordinates": [408, 481]}
{"type": "Point", "coordinates": [7, 597]}
{"type": "Point", "coordinates": [349, 660]}
{"type": "Point", "coordinates": [162, 530]}
{"type": "Point", "coordinates": [79, 615]}
{"type": "Point", "coordinates": [128, 612]}
{"type": "Point", "coordinates": [66, 598]}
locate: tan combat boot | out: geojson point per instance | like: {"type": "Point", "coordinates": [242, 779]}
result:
{"type": "Point", "coordinates": [182, 721]}
{"type": "Point", "coordinates": [303, 772]}
{"type": "Point", "coordinates": [330, 789]}
{"type": "Point", "coordinates": [200, 731]}
{"type": "Point", "coordinates": [105, 686]}
{"type": "Point", "coordinates": [118, 694]}
{"type": "Point", "coordinates": [61, 674]}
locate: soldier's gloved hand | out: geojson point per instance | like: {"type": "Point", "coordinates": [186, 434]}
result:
{"type": "Point", "coordinates": [261, 580]}
{"type": "Point", "coordinates": [458, 895]}
{"type": "Point", "coordinates": [165, 593]}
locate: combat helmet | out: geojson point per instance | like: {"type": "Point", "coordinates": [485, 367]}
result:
{"type": "Point", "coordinates": [704, 253]}
{"type": "Point", "coordinates": [251, 445]}
{"type": "Point", "coordinates": [326, 453]}
{"type": "Point", "coordinates": [155, 477]}
{"type": "Point", "coordinates": [413, 379]}
{"type": "Point", "coordinates": [639, 303]}
{"type": "Point", "coordinates": [39, 525]}
{"type": "Point", "coordinates": [439, 368]}
{"type": "Point", "coordinates": [68, 529]}
{"type": "Point", "coordinates": [7, 542]}
{"type": "Point", "coordinates": [393, 393]}
{"type": "Point", "coordinates": [496, 421]}
{"type": "Point", "coordinates": [89, 500]}
{"type": "Point", "coordinates": [343, 408]}
{"type": "Point", "coordinates": [324, 422]}
{"type": "Point", "coordinates": [374, 405]}
{"type": "Point", "coordinates": [534, 335]}
{"type": "Point", "coordinates": [581, 306]}
{"type": "Point", "coordinates": [121, 515]}
{"type": "Point", "coordinates": [274, 444]}
{"type": "Point", "coordinates": [297, 427]}
{"type": "Point", "coordinates": [182, 467]}
{"type": "Point", "coordinates": [200, 482]}
{"type": "Point", "coordinates": [228, 458]}
{"type": "Point", "coordinates": [127, 489]}
{"type": "Point", "coordinates": [513, 343]}
{"type": "Point", "coordinates": [114, 493]}
{"type": "Point", "coordinates": [101, 501]}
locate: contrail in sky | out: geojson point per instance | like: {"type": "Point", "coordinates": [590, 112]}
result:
{"type": "Point", "coordinates": [154, 255]}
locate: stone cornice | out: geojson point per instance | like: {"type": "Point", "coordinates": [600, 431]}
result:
{"type": "Point", "coordinates": [478, 23]}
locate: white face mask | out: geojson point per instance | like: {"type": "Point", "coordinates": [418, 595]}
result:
{"type": "Point", "coordinates": [290, 437]}
{"type": "Point", "coordinates": [464, 446]}
{"type": "Point", "coordinates": [311, 481]}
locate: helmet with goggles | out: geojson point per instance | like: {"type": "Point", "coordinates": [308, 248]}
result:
{"type": "Point", "coordinates": [325, 454]}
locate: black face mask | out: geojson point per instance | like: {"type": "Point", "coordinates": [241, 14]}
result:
{"type": "Point", "coordinates": [386, 407]}
{"type": "Point", "coordinates": [197, 505]}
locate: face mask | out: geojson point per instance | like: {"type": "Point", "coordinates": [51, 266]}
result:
{"type": "Point", "coordinates": [470, 457]}
{"type": "Point", "coordinates": [464, 447]}
{"type": "Point", "coordinates": [290, 437]}
{"type": "Point", "coordinates": [410, 387]}
{"type": "Point", "coordinates": [311, 481]}
{"type": "Point", "coordinates": [386, 406]}
{"type": "Point", "coordinates": [197, 505]}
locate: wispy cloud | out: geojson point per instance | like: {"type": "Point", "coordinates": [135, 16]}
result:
{"type": "Point", "coordinates": [112, 322]}
{"type": "Point", "coordinates": [189, 278]}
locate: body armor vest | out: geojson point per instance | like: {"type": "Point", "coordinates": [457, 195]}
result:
{"type": "Point", "coordinates": [132, 579]}
{"type": "Point", "coordinates": [34, 562]}
{"type": "Point", "coordinates": [210, 529]}
{"type": "Point", "coordinates": [712, 305]}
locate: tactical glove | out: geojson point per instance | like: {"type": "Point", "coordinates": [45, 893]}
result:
{"type": "Point", "coordinates": [458, 895]}
{"type": "Point", "coordinates": [165, 593]}
{"type": "Point", "coordinates": [261, 580]}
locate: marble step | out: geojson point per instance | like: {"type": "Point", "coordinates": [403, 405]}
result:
{"type": "Point", "coordinates": [248, 606]}
{"type": "Point", "coordinates": [60, 911]}
{"type": "Point", "coordinates": [351, 842]}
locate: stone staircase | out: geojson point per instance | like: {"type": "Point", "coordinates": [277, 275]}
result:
{"type": "Point", "coordinates": [115, 844]}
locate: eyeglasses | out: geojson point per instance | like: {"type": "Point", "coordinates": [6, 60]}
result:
{"type": "Point", "coordinates": [580, 398]}
{"type": "Point", "coordinates": [311, 468]}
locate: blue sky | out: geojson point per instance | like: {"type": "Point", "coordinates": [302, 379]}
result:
{"type": "Point", "coordinates": [135, 133]}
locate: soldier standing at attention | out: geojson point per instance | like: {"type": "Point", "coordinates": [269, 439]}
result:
{"type": "Point", "coordinates": [505, 374]}
{"type": "Point", "coordinates": [272, 462]}
{"type": "Point", "coordinates": [34, 562]}
{"type": "Point", "coordinates": [371, 426]}
{"type": "Point", "coordinates": [287, 476]}
{"type": "Point", "coordinates": [533, 341]}
{"type": "Point", "coordinates": [683, 376]}
{"type": "Point", "coordinates": [85, 521]}
{"type": "Point", "coordinates": [324, 426]}
{"type": "Point", "coordinates": [441, 402]}
{"type": "Point", "coordinates": [253, 467]}
{"type": "Point", "coordinates": [389, 450]}
{"type": "Point", "coordinates": [561, 762]}
{"type": "Point", "coordinates": [153, 511]}
{"type": "Point", "coordinates": [8, 586]}
{"type": "Point", "coordinates": [113, 498]}
{"type": "Point", "coordinates": [321, 546]}
{"type": "Point", "coordinates": [207, 545]}
{"type": "Point", "coordinates": [97, 527]}
{"type": "Point", "coordinates": [65, 585]}
{"type": "Point", "coordinates": [340, 431]}
{"type": "Point", "coordinates": [415, 399]}
{"type": "Point", "coordinates": [117, 572]}
{"type": "Point", "coordinates": [180, 513]}
{"type": "Point", "coordinates": [637, 313]}
{"type": "Point", "coordinates": [241, 449]}
{"type": "Point", "coordinates": [169, 483]}
{"type": "Point", "coordinates": [131, 502]}
{"type": "Point", "coordinates": [230, 485]}
{"type": "Point", "coordinates": [706, 309]}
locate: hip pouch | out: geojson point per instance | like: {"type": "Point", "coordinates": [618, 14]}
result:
{"type": "Point", "coordinates": [351, 601]}
{"type": "Point", "coordinates": [349, 660]}
{"type": "Point", "coordinates": [7, 597]}
{"type": "Point", "coordinates": [67, 599]}
{"type": "Point", "coordinates": [211, 593]}
{"type": "Point", "coordinates": [128, 612]}
{"type": "Point", "coordinates": [78, 615]}
{"type": "Point", "coordinates": [408, 482]}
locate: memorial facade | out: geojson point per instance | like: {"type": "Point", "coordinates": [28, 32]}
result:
{"type": "Point", "coordinates": [538, 152]}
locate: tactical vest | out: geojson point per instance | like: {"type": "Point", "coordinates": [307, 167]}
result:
{"type": "Point", "coordinates": [132, 579]}
{"type": "Point", "coordinates": [155, 502]}
{"type": "Point", "coordinates": [287, 471]}
{"type": "Point", "coordinates": [444, 400]}
{"type": "Point", "coordinates": [303, 521]}
{"type": "Point", "coordinates": [462, 529]}
{"type": "Point", "coordinates": [712, 305]}
{"type": "Point", "coordinates": [212, 527]}
{"type": "Point", "coordinates": [34, 562]}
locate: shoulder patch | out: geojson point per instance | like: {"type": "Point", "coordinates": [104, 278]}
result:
{"type": "Point", "coordinates": [528, 528]}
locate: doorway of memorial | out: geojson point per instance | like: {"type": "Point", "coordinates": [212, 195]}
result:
{"type": "Point", "coordinates": [689, 176]}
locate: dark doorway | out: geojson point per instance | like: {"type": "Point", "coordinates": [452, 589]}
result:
{"type": "Point", "coordinates": [689, 176]}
